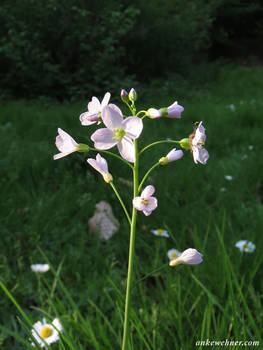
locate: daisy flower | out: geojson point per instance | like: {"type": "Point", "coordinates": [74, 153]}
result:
{"type": "Point", "coordinates": [160, 232]}
{"type": "Point", "coordinates": [94, 110]}
{"type": "Point", "coordinates": [40, 268]}
{"type": "Point", "coordinates": [118, 131]}
{"type": "Point", "coordinates": [197, 141]}
{"type": "Point", "coordinates": [173, 254]}
{"type": "Point", "coordinates": [189, 256]}
{"type": "Point", "coordinates": [245, 246]}
{"type": "Point", "coordinates": [101, 165]}
{"type": "Point", "coordinates": [46, 333]}
{"type": "Point", "coordinates": [146, 203]}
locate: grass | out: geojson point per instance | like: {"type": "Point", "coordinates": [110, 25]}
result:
{"type": "Point", "coordinates": [47, 204]}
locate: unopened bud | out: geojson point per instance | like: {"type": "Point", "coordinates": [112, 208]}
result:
{"type": "Point", "coordinates": [154, 113]}
{"type": "Point", "coordinates": [164, 160]}
{"type": "Point", "coordinates": [124, 95]}
{"type": "Point", "coordinates": [132, 95]}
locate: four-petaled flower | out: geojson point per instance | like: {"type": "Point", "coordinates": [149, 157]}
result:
{"type": "Point", "coordinates": [118, 132]}
{"type": "Point", "coordinates": [160, 232]}
{"type": "Point", "coordinates": [197, 141]}
{"type": "Point", "coordinates": [189, 256]}
{"type": "Point", "coordinates": [173, 254]}
{"type": "Point", "coordinates": [40, 268]}
{"type": "Point", "coordinates": [146, 203]}
{"type": "Point", "coordinates": [65, 144]}
{"type": "Point", "coordinates": [46, 333]}
{"type": "Point", "coordinates": [94, 110]}
{"type": "Point", "coordinates": [246, 246]}
{"type": "Point", "coordinates": [101, 165]}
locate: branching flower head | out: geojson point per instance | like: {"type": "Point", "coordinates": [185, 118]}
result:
{"type": "Point", "coordinates": [46, 333]}
{"type": "Point", "coordinates": [101, 165]}
{"type": "Point", "coordinates": [41, 268]}
{"type": "Point", "coordinates": [118, 131]}
{"type": "Point", "coordinates": [146, 203]}
{"type": "Point", "coordinates": [173, 254]}
{"type": "Point", "coordinates": [160, 232]}
{"type": "Point", "coordinates": [94, 110]}
{"type": "Point", "coordinates": [197, 141]}
{"type": "Point", "coordinates": [245, 246]}
{"type": "Point", "coordinates": [189, 256]}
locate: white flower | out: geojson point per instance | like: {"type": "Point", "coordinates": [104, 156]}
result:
{"type": "Point", "coordinates": [250, 147]}
{"type": "Point", "coordinates": [65, 144]}
{"type": "Point", "coordinates": [146, 203]}
{"type": "Point", "coordinates": [175, 110]}
{"type": "Point", "coordinates": [173, 254]}
{"type": "Point", "coordinates": [232, 107]}
{"type": "Point", "coordinates": [160, 232]}
{"type": "Point", "coordinates": [197, 141]}
{"type": "Point", "coordinates": [228, 177]}
{"type": "Point", "coordinates": [41, 268]}
{"type": "Point", "coordinates": [46, 333]}
{"type": "Point", "coordinates": [118, 132]}
{"type": "Point", "coordinates": [171, 156]}
{"type": "Point", "coordinates": [94, 110]}
{"type": "Point", "coordinates": [189, 256]}
{"type": "Point", "coordinates": [101, 165]}
{"type": "Point", "coordinates": [246, 246]}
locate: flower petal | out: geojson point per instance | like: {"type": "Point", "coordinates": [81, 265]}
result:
{"type": "Point", "coordinates": [148, 191]}
{"type": "Point", "coordinates": [137, 203]}
{"type": "Point", "coordinates": [126, 149]}
{"type": "Point", "coordinates": [200, 155]}
{"type": "Point", "coordinates": [102, 162]}
{"type": "Point", "coordinates": [86, 116]}
{"type": "Point", "coordinates": [103, 139]}
{"type": "Point", "coordinates": [133, 126]}
{"type": "Point", "coordinates": [152, 203]}
{"type": "Point", "coordinates": [147, 212]}
{"type": "Point", "coordinates": [111, 118]}
{"type": "Point", "coordinates": [94, 105]}
{"type": "Point", "coordinates": [105, 100]}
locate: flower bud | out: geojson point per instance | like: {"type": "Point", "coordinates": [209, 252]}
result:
{"type": "Point", "coordinates": [171, 156]}
{"type": "Point", "coordinates": [132, 95]}
{"type": "Point", "coordinates": [175, 110]}
{"type": "Point", "coordinates": [124, 95]}
{"type": "Point", "coordinates": [154, 113]}
{"type": "Point", "coordinates": [185, 144]}
{"type": "Point", "coordinates": [189, 256]}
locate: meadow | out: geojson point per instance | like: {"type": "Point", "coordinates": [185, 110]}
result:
{"type": "Point", "coordinates": [46, 205]}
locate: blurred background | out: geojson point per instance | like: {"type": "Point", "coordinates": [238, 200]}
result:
{"type": "Point", "coordinates": [54, 56]}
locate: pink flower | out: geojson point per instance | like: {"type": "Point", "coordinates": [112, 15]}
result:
{"type": "Point", "coordinates": [101, 165]}
{"type": "Point", "coordinates": [189, 256]}
{"type": "Point", "coordinates": [197, 141]}
{"type": "Point", "coordinates": [175, 110]}
{"type": "Point", "coordinates": [65, 144]}
{"type": "Point", "coordinates": [94, 110]}
{"type": "Point", "coordinates": [118, 131]}
{"type": "Point", "coordinates": [146, 203]}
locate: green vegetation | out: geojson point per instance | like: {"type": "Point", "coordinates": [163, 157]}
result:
{"type": "Point", "coordinates": [47, 204]}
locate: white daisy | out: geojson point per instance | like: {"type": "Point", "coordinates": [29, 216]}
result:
{"type": "Point", "coordinates": [46, 333]}
{"type": "Point", "coordinates": [160, 232]}
{"type": "Point", "coordinates": [41, 268]}
{"type": "Point", "coordinates": [245, 246]}
{"type": "Point", "coordinates": [173, 253]}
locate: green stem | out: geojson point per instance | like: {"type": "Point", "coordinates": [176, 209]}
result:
{"type": "Point", "coordinates": [141, 112]}
{"type": "Point", "coordinates": [157, 143]}
{"type": "Point", "coordinates": [147, 174]}
{"type": "Point", "coordinates": [112, 154]}
{"type": "Point", "coordinates": [121, 201]}
{"type": "Point", "coordinates": [131, 252]}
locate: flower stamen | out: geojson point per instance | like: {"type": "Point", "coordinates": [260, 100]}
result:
{"type": "Point", "coordinates": [46, 332]}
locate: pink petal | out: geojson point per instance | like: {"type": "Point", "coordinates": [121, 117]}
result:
{"type": "Point", "coordinates": [59, 155]}
{"type": "Point", "coordinates": [111, 118]}
{"type": "Point", "coordinates": [105, 100]}
{"type": "Point", "coordinates": [137, 203]}
{"type": "Point", "coordinates": [148, 192]}
{"type": "Point", "coordinates": [133, 127]}
{"type": "Point", "coordinates": [103, 139]}
{"type": "Point", "coordinates": [102, 162]}
{"type": "Point", "coordinates": [116, 108]}
{"type": "Point", "coordinates": [152, 204]}
{"type": "Point", "coordinates": [94, 105]}
{"type": "Point", "coordinates": [126, 149]}
{"type": "Point", "coordinates": [200, 155]}
{"type": "Point", "coordinates": [85, 118]}
{"type": "Point", "coordinates": [191, 256]}
{"type": "Point", "coordinates": [96, 165]}
{"type": "Point", "coordinates": [147, 212]}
